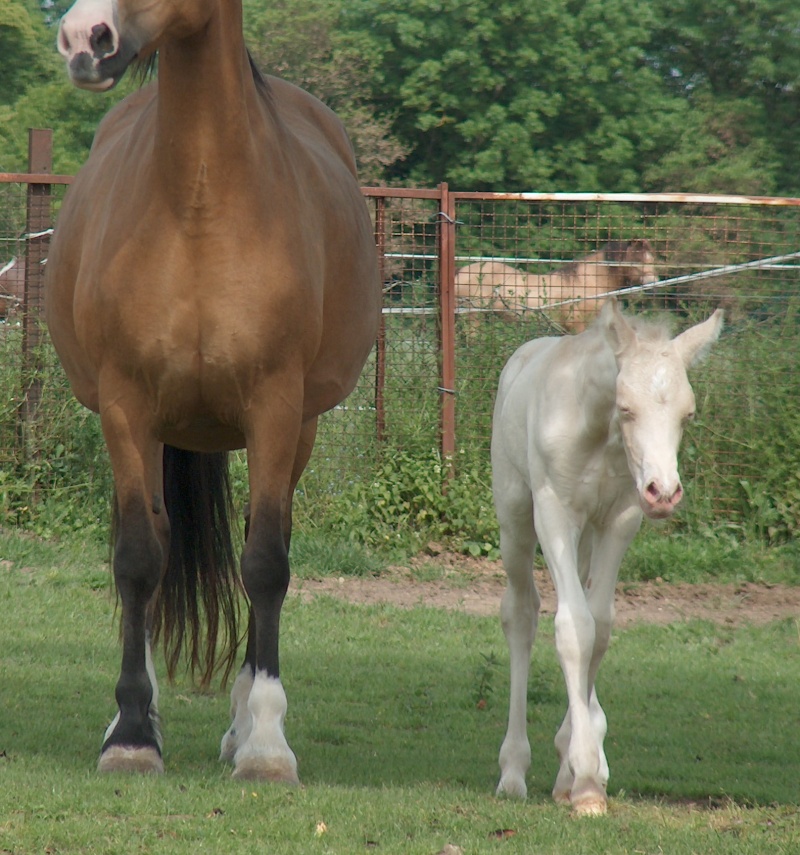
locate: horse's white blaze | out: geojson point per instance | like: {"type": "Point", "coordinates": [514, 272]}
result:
{"type": "Point", "coordinates": [241, 719]}
{"type": "Point", "coordinates": [585, 439]}
{"type": "Point", "coordinates": [77, 39]}
{"type": "Point", "coordinates": [265, 754]}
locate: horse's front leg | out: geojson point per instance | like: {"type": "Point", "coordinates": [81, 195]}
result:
{"type": "Point", "coordinates": [581, 767]}
{"type": "Point", "coordinates": [256, 738]}
{"type": "Point", "coordinates": [133, 741]}
{"type": "Point", "coordinates": [598, 575]}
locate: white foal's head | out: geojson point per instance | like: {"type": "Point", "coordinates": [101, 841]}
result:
{"type": "Point", "coordinates": [655, 401]}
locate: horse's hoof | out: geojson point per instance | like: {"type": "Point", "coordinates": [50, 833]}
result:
{"type": "Point", "coordinates": [228, 747]}
{"type": "Point", "coordinates": [141, 761]}
{"type": "Point", "coordinates": [512, 786]}
{"type": "Point", "coordinates": [276, 770]}
{"type": "Point", "coordinates": [590, 807]}
{"type": "Point", "coordinates": [562, 798]}
{"type": "Point", "coordinates": [589, 803]}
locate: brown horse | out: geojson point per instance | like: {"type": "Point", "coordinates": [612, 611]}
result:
{"type": "Point", "coordinates": [212, 285]}
{"type": "Point", "coordinates": [562, 296]}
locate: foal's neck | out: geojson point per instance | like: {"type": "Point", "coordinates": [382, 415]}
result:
{"type": "Point", "coordinates": [596, 377]}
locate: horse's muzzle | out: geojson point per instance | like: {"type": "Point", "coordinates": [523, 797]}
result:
{"type": "Point", "coordinates": [659, 503]}
{"type": "Point", "coordinates": [95, 54]}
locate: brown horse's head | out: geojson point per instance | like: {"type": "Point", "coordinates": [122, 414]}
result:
{"type": "Point", "coordinates": [100, 38]}
{"type": "Point", "coordinates": [635, 259]}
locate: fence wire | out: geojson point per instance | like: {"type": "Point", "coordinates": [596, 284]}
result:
{"type": "Point", "coordinates": [559, 256]}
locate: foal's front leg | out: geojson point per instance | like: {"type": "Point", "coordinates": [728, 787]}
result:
{"type": "Point", "coordinates": [519, 612]}
{"type": "Point", "coordinates": [582, 756]}
{"type": "Point", "coordinates": [599, 578]}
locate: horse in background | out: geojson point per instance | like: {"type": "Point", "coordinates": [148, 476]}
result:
{"type": "Point", "coordinates": [212, 284]}
{"type": "Point", "coordinates": [12, 287]}
{"type": "Point", "coordinates": [585, 439]}
{"type": "Point", "coordinates": [567, 297]}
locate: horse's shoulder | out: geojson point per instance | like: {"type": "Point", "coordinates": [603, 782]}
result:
{"type": "Point", "coordinates": [311, 121]}
{"type": "Point", "coordinates": [123, 116]}
{"type": "Point", "coordinates": [528, 363]}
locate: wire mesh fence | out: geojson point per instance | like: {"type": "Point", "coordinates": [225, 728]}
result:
{"type": "Point", "coordinates": [541, 264]}
{"type": "Point", "coordinates": [740, 254]}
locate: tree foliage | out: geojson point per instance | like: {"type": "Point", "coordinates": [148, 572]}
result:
{"type": "Point", "coordinates": [23, 63]}
{"type": "Point", "coordinates": [300, 42]}
{"type": "Point", "coordinates": [604, 95]}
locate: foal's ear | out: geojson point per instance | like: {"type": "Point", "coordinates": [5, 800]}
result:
{"type": "Point", "coordinates": [619, 333]}
{"type": "Point", "coordinates": [694, 343]}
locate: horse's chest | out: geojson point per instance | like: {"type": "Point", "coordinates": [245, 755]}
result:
{"type": "Point", "coordinates": [603, 483]}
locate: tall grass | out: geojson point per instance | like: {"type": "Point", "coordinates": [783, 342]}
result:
{"type": "Point", "coordinates": [739, 461]}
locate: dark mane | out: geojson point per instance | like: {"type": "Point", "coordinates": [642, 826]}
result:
{"type": "Point", "coordinates": [258, 78]}
{"type": "Point", "coordinates": [144, 69]}
{"type": "Point", "coordinates": [615, 250]}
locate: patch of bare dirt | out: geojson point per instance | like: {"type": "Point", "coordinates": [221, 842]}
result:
{"type": "Point", "coordinates": [475, 586]}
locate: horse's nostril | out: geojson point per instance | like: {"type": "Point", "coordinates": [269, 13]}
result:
{"type": "Point", "coordinates": [62, 41]}
{"type": "Point", "coordinates": [102, 40]}
{"type": "Point", "coordinates": [652, 492]}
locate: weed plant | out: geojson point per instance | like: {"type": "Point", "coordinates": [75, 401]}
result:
{"type": "Point", "coordinates": [396, 493]}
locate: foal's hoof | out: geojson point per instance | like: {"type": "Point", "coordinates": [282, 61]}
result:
{"type": "Point", "coordinates": [142, 761]}
{"type": "Point", "coordinates": [276, 770]}
{"type": "Point", "coordinates": [513, 786]}
{"type": "Point", "coordinates": [590, 807]}
{"type": "Point", "coordinates": [589, 802]}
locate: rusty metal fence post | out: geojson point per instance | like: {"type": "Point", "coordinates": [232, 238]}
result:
{"type": "Point", "coordinates": [447, 316]}
{"type": "Point", "coordinates": [38, 225]}
{"type": "Point", "coordinates": [380, 345]}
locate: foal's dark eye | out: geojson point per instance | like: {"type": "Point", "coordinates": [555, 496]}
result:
{"type": "Point", "coordinates": [626, 414]}
{"type": "Point", "coordinates": [688, 418]}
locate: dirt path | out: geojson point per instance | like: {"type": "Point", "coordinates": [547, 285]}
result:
{"type": "Point", "coordinates": [475, 587]}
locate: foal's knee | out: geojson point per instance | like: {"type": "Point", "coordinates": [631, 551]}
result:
{"type": "Point", "coordinates": [575, 631]}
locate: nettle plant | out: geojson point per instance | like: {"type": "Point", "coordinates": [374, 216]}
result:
{"type": "Point", "coordinates": [414, 498]}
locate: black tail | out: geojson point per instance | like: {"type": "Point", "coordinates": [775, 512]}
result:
{"type": "Point", "coordinates": [198, 599]}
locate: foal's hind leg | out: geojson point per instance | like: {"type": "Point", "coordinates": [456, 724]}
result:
{"type": "Point", "coordinates": [132, 741]}
{"type": "Point", "coordinates": [261, 750]}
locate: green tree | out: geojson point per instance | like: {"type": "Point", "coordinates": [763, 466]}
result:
{"type": "Point", "coordinates": [522, 95]}
{"type": "Point", "coordinates": [737, 64]}
{"type": "Point", "coordinates": [300, 42]}
{"type": "Point", "coordinates": [72, 114]}
{"type": "Point", "coordinates": [23, 62]}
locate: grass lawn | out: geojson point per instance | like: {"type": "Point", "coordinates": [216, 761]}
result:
{"type": "Point", "coordinates": [396, 717]}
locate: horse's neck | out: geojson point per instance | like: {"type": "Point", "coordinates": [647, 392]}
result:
{"type": "Point", "coordinates": [206, 100]}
